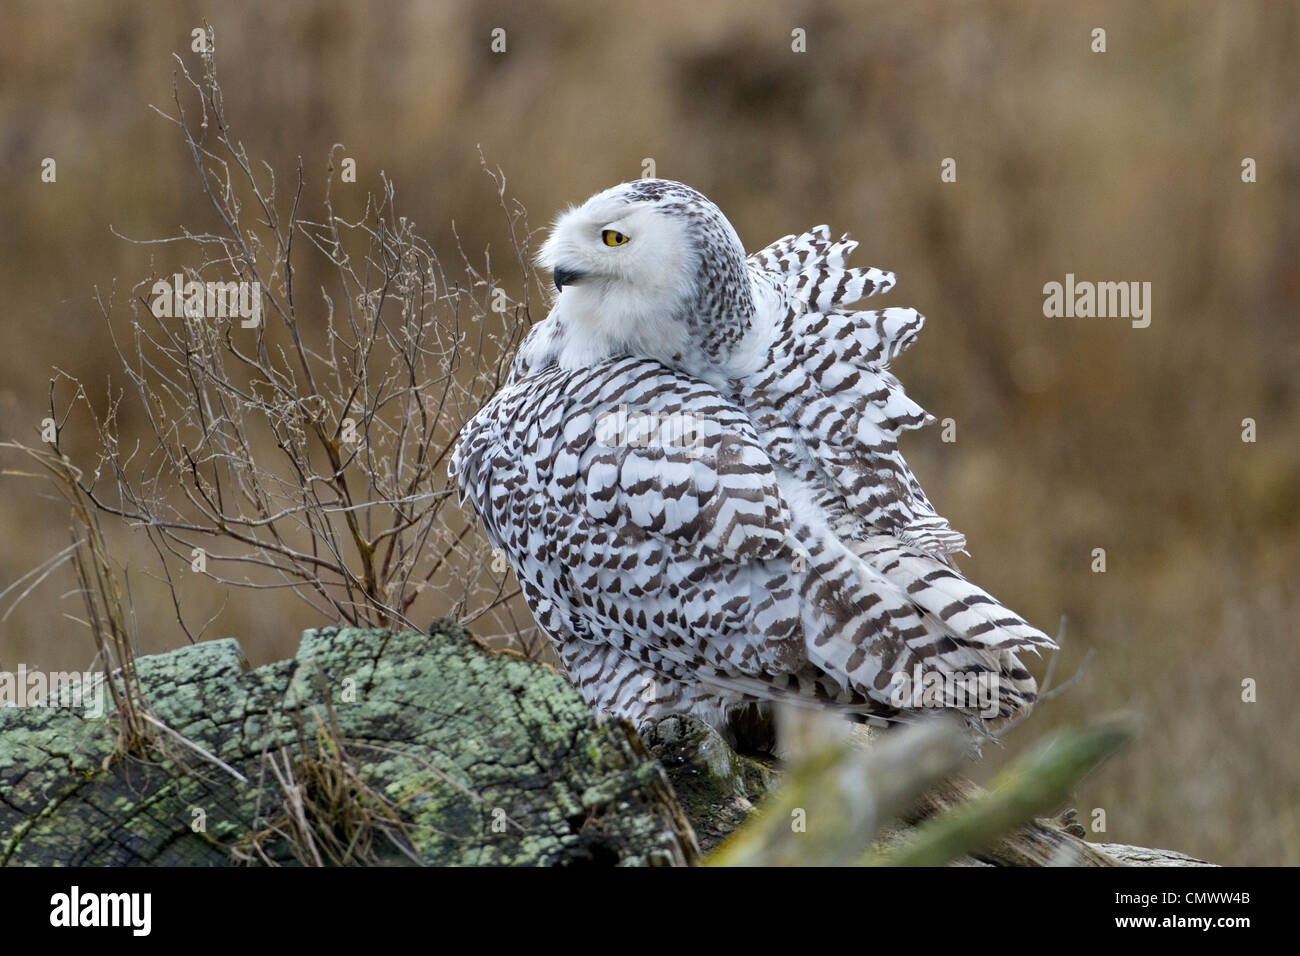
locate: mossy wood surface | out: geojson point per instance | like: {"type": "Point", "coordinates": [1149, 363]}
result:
{"type": "Point", "coordinates": [486, 758]}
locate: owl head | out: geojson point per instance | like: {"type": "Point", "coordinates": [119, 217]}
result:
{"type": "Point", "coordinates": [649, 268]}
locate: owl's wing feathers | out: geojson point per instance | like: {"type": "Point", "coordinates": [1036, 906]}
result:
{"type": "Point", "coordinates": [827, 408]}
{"type": "Point", "coordinates": [826, 402]}
{"type": "Point", "coordinates": [675, 548]}
{"type": "Point", "coordinates": [812, 269]}
{"type": "Point", "coordinates": [627, 446]}
{"type": "Point", "coordinates": [684, 467]}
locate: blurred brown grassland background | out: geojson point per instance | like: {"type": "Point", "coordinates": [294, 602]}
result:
{"type": "Point", "coordinates": [1072, 434]}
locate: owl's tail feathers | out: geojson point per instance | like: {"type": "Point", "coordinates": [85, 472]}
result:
{"type": "Point", "coordinates": [905, 629]}
{"type": "Point", "coordinates": [970, 613]}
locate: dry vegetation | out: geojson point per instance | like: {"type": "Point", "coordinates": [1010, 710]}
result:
{"type": "Point", "coordinates": [294, 447]}
{"type": "Point", "coordinates": [1071, 434]}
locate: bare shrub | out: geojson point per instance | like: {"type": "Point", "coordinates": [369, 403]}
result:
{"type": "Point", "coordinates": [306, 450]}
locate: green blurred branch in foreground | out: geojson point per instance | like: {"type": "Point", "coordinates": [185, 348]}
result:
{"type": "Point", "coordinates": [835, 801]}
{"type": "Point", "coordinates": [1038, 782]}
{"type": "Point", "coordinates": [837, 794]}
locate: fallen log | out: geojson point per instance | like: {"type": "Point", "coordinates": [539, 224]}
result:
{"type": "Point", "coordinates": [367, 747]}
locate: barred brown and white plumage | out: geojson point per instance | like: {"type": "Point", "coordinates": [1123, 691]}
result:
{"type": "Point", "coordinates": [694, 471]}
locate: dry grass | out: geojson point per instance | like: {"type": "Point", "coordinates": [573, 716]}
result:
{"type": "Point", "coordinates": [321, 808]}
{"type": "Point", "coordinates": [104, 592]}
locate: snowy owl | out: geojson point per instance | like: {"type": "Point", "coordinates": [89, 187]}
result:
{"type": "Point", "coordinates": [693, 470]}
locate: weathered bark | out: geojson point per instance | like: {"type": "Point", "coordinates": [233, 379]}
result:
{"type": "Point", "coordinates": [1145, 856]}
{"type": "Point", "coordinates": [484, 758]}
{"type": "Point", "coordinates": [718, 787]}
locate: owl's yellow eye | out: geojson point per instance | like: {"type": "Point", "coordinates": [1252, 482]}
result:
{"type": "Point", "coordinates": [613, 238]}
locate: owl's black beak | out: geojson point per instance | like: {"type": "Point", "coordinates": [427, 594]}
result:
{"type": "Point", "coordinates": [565, 277]}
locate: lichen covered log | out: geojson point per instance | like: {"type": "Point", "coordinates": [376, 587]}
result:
{"type": "Point", "coordinates": [424, 748]}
